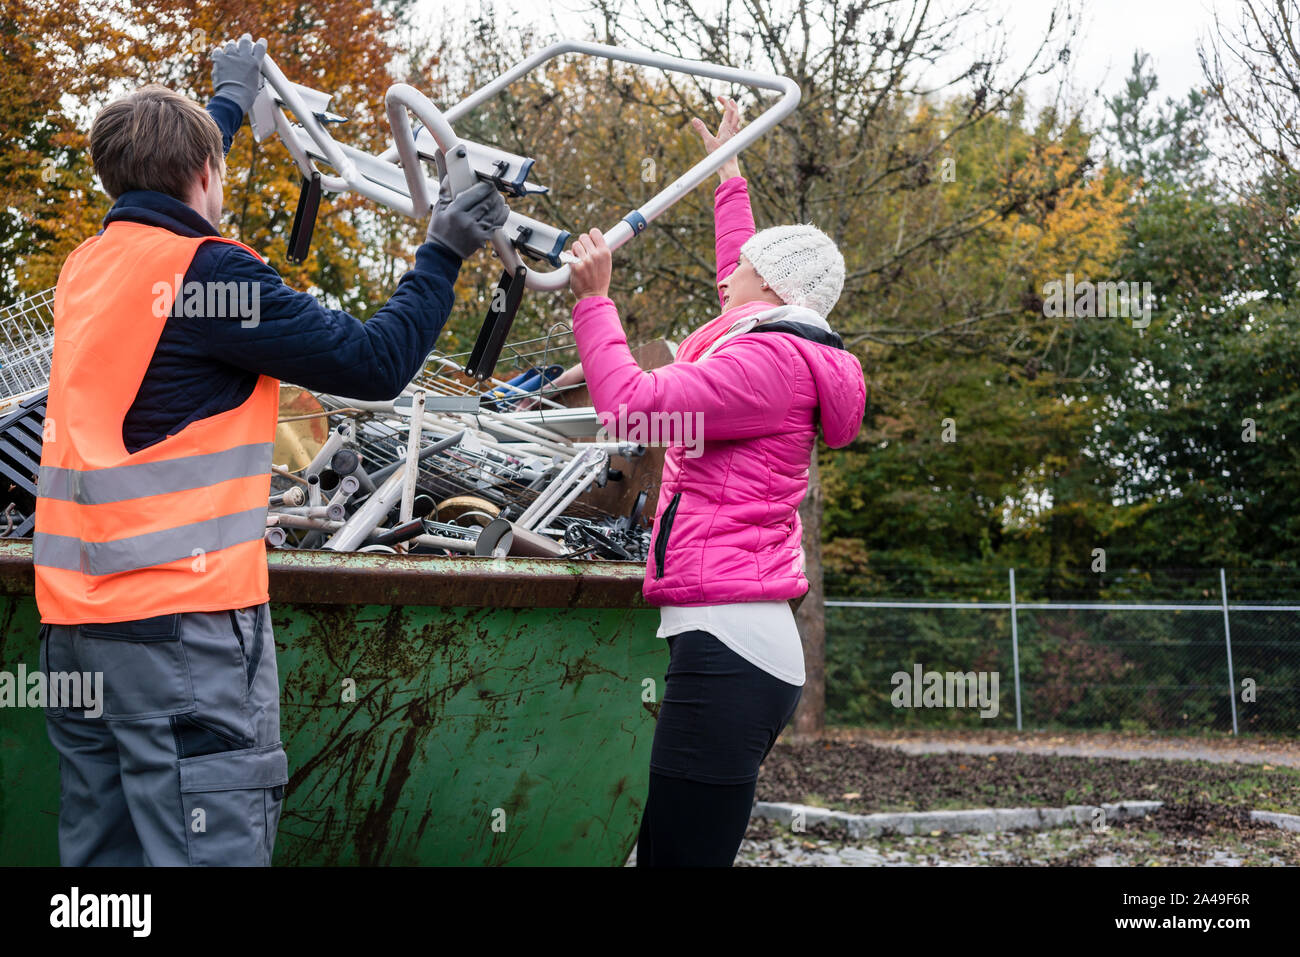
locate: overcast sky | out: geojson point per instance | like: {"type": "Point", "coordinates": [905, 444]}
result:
{"type": "Point", "coordinates": [1110, 31]}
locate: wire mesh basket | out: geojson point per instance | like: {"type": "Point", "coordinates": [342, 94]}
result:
{"type": "Point", "coordinates": [26, 344]}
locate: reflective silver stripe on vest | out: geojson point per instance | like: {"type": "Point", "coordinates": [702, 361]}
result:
{"type": "Point", "coordinates": [125, 482]}
{"type": "Point", "coordinates": [152, 548]}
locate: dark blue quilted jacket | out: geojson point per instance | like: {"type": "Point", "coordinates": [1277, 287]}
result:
{"type": "Point", "coordinates": [204, 366]}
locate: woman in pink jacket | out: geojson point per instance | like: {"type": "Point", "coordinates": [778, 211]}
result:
{"type": "Point", "coordinates": [727, 555]}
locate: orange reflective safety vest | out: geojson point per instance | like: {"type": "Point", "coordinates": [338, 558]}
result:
{"type": "Point", "coordinates": [177, 526]}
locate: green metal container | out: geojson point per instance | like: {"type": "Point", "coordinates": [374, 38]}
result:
{"type": "Point", "coordinates": [434, 710]}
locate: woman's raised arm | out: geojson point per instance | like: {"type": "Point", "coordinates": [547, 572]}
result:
{"type": "Point", "coordinates": [742, 391]}
{"type": "Point", "coordinates": [733, 219]}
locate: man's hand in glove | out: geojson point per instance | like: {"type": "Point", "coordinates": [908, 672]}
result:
{"type": "Point", "coordinates": [465, 223]}
{"type": "Point", "coordinates": [235, 70]}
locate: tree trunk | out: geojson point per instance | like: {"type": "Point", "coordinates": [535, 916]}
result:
{"type": "Point", "coordinates": [810, 719]}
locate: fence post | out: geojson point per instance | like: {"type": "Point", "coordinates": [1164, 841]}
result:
{"type": "Point", "coordinates": [1015, 648]}
{"type": "Point", "coordinates": [1227, 637]}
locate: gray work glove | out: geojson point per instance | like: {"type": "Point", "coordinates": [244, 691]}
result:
{"type": "Point", "coordinates": [235, 70]}
{"type": "Point", "coordinates": [465, 223]}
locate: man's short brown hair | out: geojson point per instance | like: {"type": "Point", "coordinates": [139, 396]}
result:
{"type": "Point", "coordinates": [154, 139]}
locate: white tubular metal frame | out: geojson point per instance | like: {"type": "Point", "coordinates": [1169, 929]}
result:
{"type": "Point", "coordinates": [405, 187]}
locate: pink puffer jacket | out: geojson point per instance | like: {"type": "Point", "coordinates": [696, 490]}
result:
{"type": "Point", "coordinates": [727, 524]}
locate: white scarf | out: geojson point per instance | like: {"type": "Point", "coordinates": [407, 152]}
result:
{"type": "Point", "coordinates": [799, 314]}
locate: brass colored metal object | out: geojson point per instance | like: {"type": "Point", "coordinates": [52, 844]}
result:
{"type": "Point", "coordinates": [471, 507]}
{"type": "Point", "coordinates": [302, 430]}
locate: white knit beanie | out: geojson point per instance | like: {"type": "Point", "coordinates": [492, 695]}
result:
{"type": "Point", "coordinates": [801, 264]}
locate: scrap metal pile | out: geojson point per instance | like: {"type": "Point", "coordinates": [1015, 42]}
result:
{"type": "Point", "coordinates": [454, 466]}
{"type": "Point", "coordinates": [487, 477]}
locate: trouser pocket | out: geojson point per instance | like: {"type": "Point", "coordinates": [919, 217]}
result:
{"type": "Point", "coordinates": [145, 670]}
{"type": "Point", "coordinates": [53, 707]}
{"type": "Point", "coordinates": [232, 805]}
{"type": "Point", "coordinates": [249, 626]}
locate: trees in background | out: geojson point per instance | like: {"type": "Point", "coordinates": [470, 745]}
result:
{"type": "Point", "coordinates": [71, 57]}
{"type": "Point", "coordinates": [51, 51]}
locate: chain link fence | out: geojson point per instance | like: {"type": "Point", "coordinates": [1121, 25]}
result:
{"type": "Point", "coordinates": [1205, 654]}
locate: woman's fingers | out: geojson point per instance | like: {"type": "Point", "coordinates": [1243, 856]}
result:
{"type": "Point", "coordinates": [710, 141]}
{"type": "Point", "coordinates": [589, 245]}
{"type": "Point", "coordinates": [727, 128]}
{"type": "Point", "coordinates": [590, 274]}
{"type": "Point", "coordinates": [731, 116]}
{"type": "Point", "coordinates": [583, 248]}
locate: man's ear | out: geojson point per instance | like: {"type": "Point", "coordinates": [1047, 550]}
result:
{"type": "Point", "coordinates": [205, 175]}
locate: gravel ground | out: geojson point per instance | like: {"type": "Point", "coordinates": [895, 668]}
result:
{"type": "Point", "coordinates": [1205, 821]}
{"type": "Point", "coordinates": [1209, 786]}
{"type": "Point", "coordinates": [1218, 749]}
{"type": "Point", "coordinates": [862, 779]}
{"type": "Point", "coordinates": [1198, 837]}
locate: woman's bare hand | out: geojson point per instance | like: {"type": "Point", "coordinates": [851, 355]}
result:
{"type": "Point", "coordinates": [728, 128]}
{"type": "Point", "coordinates": [590, 275]}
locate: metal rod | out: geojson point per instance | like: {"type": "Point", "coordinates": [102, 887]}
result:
{"type": "Point", "coordinates": [348, 486]}
{"type": "Point", "coordinates": [1227, 638]}
{"type": "Point", "coordinates": [363, 521]}
{"type": "Point", "coordinates": [412, 461]}
{"type": "Point", "coordinates": [399, 534]}
{"type": "Point", "coordinates": [345, 461]}
{"type": "Point", "coordinates": [280, 520]}
{"type": "Point", "coordinates": [377, 506]}
{"type": "Point", "coordinates": [438, 541]}
{"type": "Point", "coordinates": [281, 470]}
{"type": "Point", "coordinates": [364, 478]}
{"type": "Point", "coordinates": [495, 539]}
{"type": "Point", "coordinates": [382, 475]}
{"type": "Point", "coordinates": [1015, 648]}
{"type": "Point", "coordinates": [536, 513]}
{"type": "Point", "coordinates": [549, 436]}
{"type": "Point", "coordinates": [307, 511]}
{"type": "Point", "coordinates": [326, 452]}
{"type": "Point", "coordinates": [412, 471]}
{"type": "Point", "coordinates": [573, 480]}
{"type": "Point", "coordinates": [292, 497]}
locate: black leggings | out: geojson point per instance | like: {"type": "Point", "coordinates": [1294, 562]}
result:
{"type": "Point", "coordinates": [719, 718]}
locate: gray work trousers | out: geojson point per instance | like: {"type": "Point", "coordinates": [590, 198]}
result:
{"type": "Point", "coordinates": [185, 764]}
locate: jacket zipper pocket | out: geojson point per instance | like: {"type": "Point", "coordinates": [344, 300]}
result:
{"type": "Point", "coordinates": [661, 541]}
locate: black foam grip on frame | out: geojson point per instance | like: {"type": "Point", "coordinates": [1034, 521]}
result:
{"type": "Point", "coordinates": [304, 218]}
{"type": "Point", "coordinates": [496, 326]}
